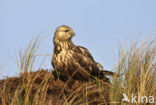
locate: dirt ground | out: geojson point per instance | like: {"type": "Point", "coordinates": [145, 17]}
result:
{"type": "Point", "coordinates": [42, 85]}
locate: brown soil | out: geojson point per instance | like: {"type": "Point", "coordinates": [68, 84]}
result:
{"type": "Point", "coordinates": [42, 85]}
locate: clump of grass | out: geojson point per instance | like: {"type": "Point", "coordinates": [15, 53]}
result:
{"type": "Point", "coordinates": [28, 56]}
{"type": "Point", "coordinates": [25, 91]}
{"type": "Point", "coordinates": [19, 91]}
{"type": "Point", "coordinates": [137, 74]}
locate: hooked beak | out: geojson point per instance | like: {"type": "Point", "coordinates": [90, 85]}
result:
{"type": "Point", "coordinates": [73, 33]}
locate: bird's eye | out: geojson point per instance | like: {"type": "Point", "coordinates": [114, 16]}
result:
{"type": "Point", "coordinates": [66, 30]}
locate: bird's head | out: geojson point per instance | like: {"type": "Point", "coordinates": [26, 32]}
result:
{"type": "Point", "coordinates": [64, 33]}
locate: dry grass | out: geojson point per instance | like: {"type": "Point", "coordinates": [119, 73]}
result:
{"type": "Point", "coordinates": [27, 58]}
{"type": "Point", "coordinates": [136, 74]}
{"type": "Point", "coordinates": [40, 88]}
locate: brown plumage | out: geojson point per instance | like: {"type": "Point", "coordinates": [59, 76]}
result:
{"type": "Point", "coordinates": [71, 61]}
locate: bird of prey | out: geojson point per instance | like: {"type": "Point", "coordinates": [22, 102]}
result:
{"type": "Point", "coordinates": [71, 61]}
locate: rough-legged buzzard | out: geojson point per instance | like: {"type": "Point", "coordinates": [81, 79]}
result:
{"type": "Point", "coordinates": [71, 61]}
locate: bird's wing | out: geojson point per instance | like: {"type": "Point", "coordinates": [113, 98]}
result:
{"type": "Point", "coordinates": [86, 53]}
{"type": "Point", "coordinates": [85, 60]}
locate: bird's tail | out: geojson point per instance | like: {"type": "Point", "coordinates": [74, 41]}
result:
{"type": "Point", "coordinates": [106, 73]}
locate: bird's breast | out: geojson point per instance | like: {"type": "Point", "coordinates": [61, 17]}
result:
{"type": "Point", "coordinates": [63, 58]}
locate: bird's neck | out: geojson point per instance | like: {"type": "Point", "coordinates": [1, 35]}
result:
{"type": "Point", "coordinates": [63, 45]}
